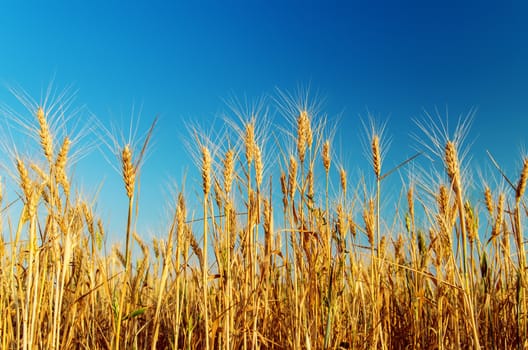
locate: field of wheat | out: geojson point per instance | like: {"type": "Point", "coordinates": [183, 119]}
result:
{"type": "Point", "coordinates": [280, 252]}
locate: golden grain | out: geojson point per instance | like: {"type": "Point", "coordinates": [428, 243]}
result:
{"type": "Point", "coordinates": [292, 177]}
{"type": "Point", "coordinates": [326, 156]}
{"type": "Point", "coordinates": [60, 165]}
{"type": "Point", "coordinates": [497, 227]}
{"type": "Point", "coordinates": [368, 218]}
{"type": "Point", "coordinates": [129, 172]}
{"type": "Point", "coordinates": [229, 170]}
{"type": "Point", "coordinates": [343, 180]}
{"type": "Point", "coordinates": [46, 140]}
{"type": "Point", "coordinates": [452, 167]}
{"type": "Point", "coordinates": [303, 131]}
{"type": "Point", "coordinates": [259, 167]}
{"type": "Point", "coordinates": [256, 287]}
{"type": "Point", "coordinates": [376, 156]}
{"type": "Point", "coordinates": [521, 185]}
{"type": "Point", "coordinates": [206, 170]}
{"type": "Point", "coordinates": [25, 182]}
{"type": "Point", "coordinates": [488, 199]}
{"type": "Point", "coordinates": [250, 142]}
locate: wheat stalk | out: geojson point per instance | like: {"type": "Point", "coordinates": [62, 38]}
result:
{"type": "Point", "coordinates": [376, 156]}
{"type": "Point", "coordinates": [206, 187]}
{"type": "Point", "coordinates": [250, 142]}
{"type": "Point", "coordinates": [292, 178]}
{"type": "Point", "coordinates": [521, 185]}
{"type": "Point", "coordinates": [343, 181]}
{"type": "Point", "coordinates": [45, 135]}
{"type": "Point", "coordinates": [326, 156]}
{"type": "Point", "coordinates": [229, 170]}
{"type": "Point", "coordinates": [259, 167]}
{"type": "Point", "coordinates": [488, 200]}
{"type": "Point", "coordinates": [129, 171]}
{"type": "Point", "coordinates": [303, 132]}
{"type": "Point", "coordinates": [60, 165]}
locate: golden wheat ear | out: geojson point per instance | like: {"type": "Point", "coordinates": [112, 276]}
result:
{"type": "Point", "coordinates": [326, 156]}
{"type": "Point", "coordinates": [129, 172]}
{"type": "Point", "coordinates": [46, 139]}
{"type": "Point", "coordinates": [229, 170]}
{"type": "Point", "coordinates": [521, 185]}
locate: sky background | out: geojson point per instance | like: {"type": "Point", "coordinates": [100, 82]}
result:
{"type": "Point", "coordinates": [181, 61]}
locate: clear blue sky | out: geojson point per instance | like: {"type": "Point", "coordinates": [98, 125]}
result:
{"type": "Point", "coordinates": [179, 60]}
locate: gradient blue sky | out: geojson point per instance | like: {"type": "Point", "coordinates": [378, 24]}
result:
{"type": "Point", "coordinates": [179, 60]}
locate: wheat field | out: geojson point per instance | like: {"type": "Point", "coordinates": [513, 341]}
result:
{"type": "Point", "coordinates": [270, 252]}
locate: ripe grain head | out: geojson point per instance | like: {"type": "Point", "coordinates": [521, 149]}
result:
{"type": "Point", "coordinates": [326, 156]}
{"type": "Point", "coordinates": [521, 185]}
{"type": "Point", "coordinates": [128, 170]}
